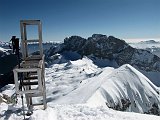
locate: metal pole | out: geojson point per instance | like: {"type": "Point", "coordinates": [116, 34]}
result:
{"type": "Point", "coordinates": [23, 107]}
{"type": "Point", "coordinates": [21, 77]}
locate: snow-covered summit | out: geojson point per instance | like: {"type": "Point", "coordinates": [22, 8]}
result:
{"type": "Point", "coordinates": [124, 89]}
{"type": "Point", "coordinates": [127, 89]}
{"type": "Point", "coordinates": [80, 90]}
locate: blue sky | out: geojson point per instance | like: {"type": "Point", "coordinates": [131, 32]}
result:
{"type": "Point", "coordinates": [125, 19]}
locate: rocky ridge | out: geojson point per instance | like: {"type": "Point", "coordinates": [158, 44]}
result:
{"type": "Point", "coordinates": [111, 48]}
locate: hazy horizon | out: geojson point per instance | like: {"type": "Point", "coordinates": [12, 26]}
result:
{"type": "Point", "coordinates": [131, 40]}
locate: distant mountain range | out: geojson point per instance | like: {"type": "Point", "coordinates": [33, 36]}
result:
{"type": "Point", "coordinates": [115, 50]}
{"type": "Point", "coordinates": [150, 42]}
{"type": "Point", "coordinates": [111, 48]}
{"type": "Point", "coordinates": [104, 49]}
{"type": "Point", "coordinates": [150, 45]}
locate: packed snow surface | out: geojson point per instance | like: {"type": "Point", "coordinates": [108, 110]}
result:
{"type": "Point", "coordinates": [77, 112]}
{"type": "Point", "coordinates": [79, 90]}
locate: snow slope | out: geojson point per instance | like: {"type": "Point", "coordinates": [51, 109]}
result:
{"type": "Point", "coordinates": [123, 89]}
{"type": "Point", "coordinates": [83, 112]}
{"type": "Point", "coordinates": [66, 77]}
{"type": "Point", "coordinates": [85, 91]}
{"type": "Point", "coordinates": [127, 89]}
{"type": "Point", "coordinates": [79, 90]}
{"type": "Point", "coordinates": [77, 112]}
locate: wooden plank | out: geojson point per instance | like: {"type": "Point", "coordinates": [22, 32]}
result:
{"type": "Point", "coordinates": [30, 22]}
{"type": "Point", "coordinates": [31, 78]}
{"type": "Point", "coordinates": [26, 69]}
{"type": "Point", "coordinates": [30, 83]}
{"type": "Point", "coordinates": [35, 94]}
{"type": "Point", "coordinates": [37, 104]}
{"type": "Point", "coordinates": [16, 80]}
{"type": "Point", "coordinates": [33, 57]}
{"type": "Point", "coordinates": [28, 91]}
{"type": "Point", "coordinates": [39, 79]}
{"type": "Point", "coordinates": [29, 65]}
{"type": "Point", "coordinates": [33, 73]}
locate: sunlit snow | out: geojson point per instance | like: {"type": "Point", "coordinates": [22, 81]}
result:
{"type": "Point", "coordinates": [79, 90]}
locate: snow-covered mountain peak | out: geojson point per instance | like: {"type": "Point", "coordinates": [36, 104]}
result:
{"type": "Point", "coordinates": [108, 51]}
{"type": "Point", "coordinates": [127, 89]}
{"type": "Point", "coordinates": [85, 64]}
{"type": "Point", "coordinates": [124, 88]}
{"type": "Point", "coordinates": [127, 71]}
{"type": "Point", "coordinates": [149, 42]}
{"type": "Point", "coordinates": [83, 61]}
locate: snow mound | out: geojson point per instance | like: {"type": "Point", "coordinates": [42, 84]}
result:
{"type": "Point", "coordinates": [83, 112]}
{"type": "Point", "coordinates": [61, 79]}
{"type": "Point", "coordinates": [48, 114]}
{"type": "Point", "coordinates": [85, 90]}
{"type": "Point", "coordinates": [127, 89]}
{"type": "Point", "coordinates": [124, 89]}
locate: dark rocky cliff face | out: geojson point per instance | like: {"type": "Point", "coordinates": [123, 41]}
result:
{"type": "Point", "coordinates": [98, 45]}
{"type": "Point", "coordinates": [111, 48]}
{"type": "Point", "coordinates": [7, 62]}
